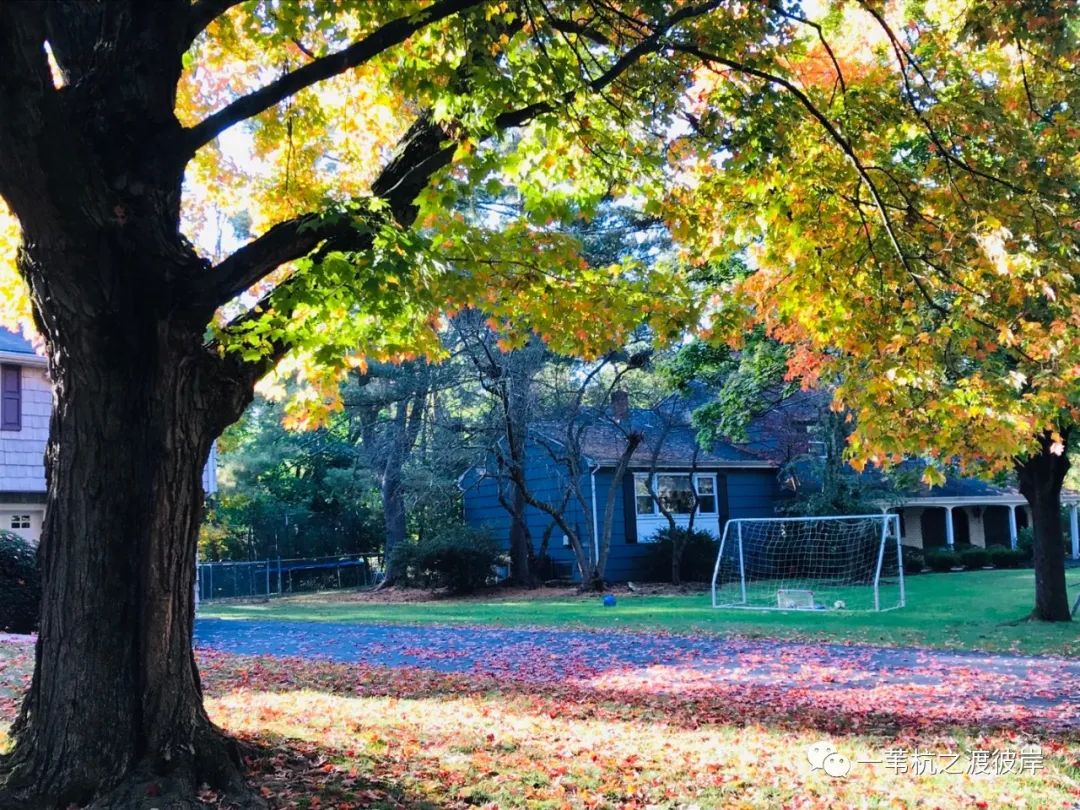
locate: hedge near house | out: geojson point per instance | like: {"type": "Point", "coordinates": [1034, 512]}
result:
{"type": "Point", "coordinates": [20, 584]}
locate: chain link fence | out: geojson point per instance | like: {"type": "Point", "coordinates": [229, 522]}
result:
{"type": "Point", "coordinates": [264, 578]}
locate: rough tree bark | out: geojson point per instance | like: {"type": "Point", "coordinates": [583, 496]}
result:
{"type": "Point", "coordinates": [1042, 476]}
{"type": "Point", "coordinates": [114, 715]}
{"type": "Point", "coordinates": [114, 712]}
{"type": "Point", "coordinates": [115, 688]}
{"type": "Point", "coordinates": [521, 548]}
{"type": "Point", "coordinates": [393, 493]}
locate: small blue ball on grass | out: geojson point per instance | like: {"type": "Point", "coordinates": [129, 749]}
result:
{"type": "Point", "coordinates": [609, 600]}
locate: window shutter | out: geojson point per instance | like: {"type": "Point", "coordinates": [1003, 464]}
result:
{"type": "Point", "coordinates": [629, 501]}
{"type": "Point", "coordinates": [10, 398]}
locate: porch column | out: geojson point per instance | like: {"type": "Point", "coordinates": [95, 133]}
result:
{"type": "Point", "coordinates": [949, 527]}
{"type": "Point", "coordinates": [977, 525]}
{"type": "Point", "coordinates": [1074, 530]}
{"type": "Point", "coordinates": [913, 526]}
{"type": "Point", "coordinates": [1012, 525]}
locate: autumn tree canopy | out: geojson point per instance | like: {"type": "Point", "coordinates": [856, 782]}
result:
{"type": "Point", "coordinates": [904, 181]}
{"type": "Point", "coordinates": [201, 192]}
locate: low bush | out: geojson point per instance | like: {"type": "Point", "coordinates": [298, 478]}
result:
{"type": "Point", "coordinates": [914, 559]}
{"type": "Point", "coordinates": [20, 584]}
{"type": "Point", "coordinates": [1025, 544]}
{"type": "Point", "coordinates": [942, 560]}
{"type": "Point", "coordinates": [1005, 557]}
{"type": "Point", "coordinates": [458, 558]}
{"type": "Point", "coordinates": [698, 558]}
{"type": "Point", "coordinates": [974, 558]}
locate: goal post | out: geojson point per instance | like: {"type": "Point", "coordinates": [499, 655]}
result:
{"type": "Point", "coordinates": [836, 562]}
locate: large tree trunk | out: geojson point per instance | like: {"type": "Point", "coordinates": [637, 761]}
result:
{"type": "Point", "coordinates": [114, 712]}
{"type": "Point", "coordinates": [1041, 478]}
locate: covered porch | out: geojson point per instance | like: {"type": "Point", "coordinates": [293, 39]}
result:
{"type": "Point", "coordinates": [993, 520]}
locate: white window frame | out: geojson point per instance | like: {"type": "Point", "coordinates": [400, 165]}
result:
{"type": "Point", "coordinates": [21, 521]}
{"type": "Point", "coordinates": [694, 479]}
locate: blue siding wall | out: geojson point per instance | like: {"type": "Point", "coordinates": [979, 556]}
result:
{"type": "Point", "coordinates": [750, 493]}
{"type": "Point", "coordinates": [546, 481]}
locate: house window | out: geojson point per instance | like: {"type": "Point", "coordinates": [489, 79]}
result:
{"type": "Point", "coordinates": [674, 493]}
{"type": "Point", "coordinates": [706, 493]}
{"type": "Point", "coordinates": [10, 398]}
{"type": "Point", "coordinates": [642, 498]}
{"type": "Point", "coordinates": [20, 521]}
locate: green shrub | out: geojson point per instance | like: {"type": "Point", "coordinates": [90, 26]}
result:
{"type": "Point", "coordinates": [458, 558]}
{"type": "Point", "coordinates": [1025, 544]}
{"type": "Point", "coordinates": [698, 558]}
{"type": "Point", "coordinates": [20, 584]}
{"type": "Point", "coordinates": [974, 558]}
{"type": "Point", "coordinates": [914, 559]}
{"type": "Point", "coordinates": [1005, 557]}
{"type": "Point", "coordinates": [942, 560]}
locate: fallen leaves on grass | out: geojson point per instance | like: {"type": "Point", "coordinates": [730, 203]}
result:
{"type": "Point", "coordinates": [416, 737]}
{"type": "Point", "coordinates": [349, 736]}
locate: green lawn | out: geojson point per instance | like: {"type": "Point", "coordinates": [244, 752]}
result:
{"type": "Point", "coordinates": [971, 610]}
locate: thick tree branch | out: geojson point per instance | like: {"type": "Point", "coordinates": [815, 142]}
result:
{"type": "Point", "coordinates": [204, 12]}
{"type": "Point", "coordinates": [425, 149]}
{"type": "Point", "coordinates": [25, 87]}
{"type": "Point", "coordinates": [381, 39]}
{"type": "Point", "coordinates": [421, 152]}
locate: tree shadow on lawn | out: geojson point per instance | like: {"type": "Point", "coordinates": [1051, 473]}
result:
{"type": "Point", "coordinates": [833, 703]}
{"type": "Point", "coordinates": [357, 736]}
{"type": "Point", "coordinates": [320, 734]}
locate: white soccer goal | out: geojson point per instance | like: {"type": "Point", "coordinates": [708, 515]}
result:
{"type": "Point", "coordinates": [817, 563]}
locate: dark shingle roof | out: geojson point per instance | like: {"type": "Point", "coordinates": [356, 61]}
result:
{"type": "Point", "coordinates": [14, 343]}
{"type": "Point", "coordinates": [603, 442]}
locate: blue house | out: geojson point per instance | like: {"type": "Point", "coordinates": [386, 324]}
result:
{"type": "Point", "coordinates": [729, 483]}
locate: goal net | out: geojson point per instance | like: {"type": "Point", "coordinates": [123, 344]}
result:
{"type": "Point", "coordinates": [818, 563]}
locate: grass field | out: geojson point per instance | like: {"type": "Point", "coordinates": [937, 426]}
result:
{"type": "Point", "coordinates": [982, 610]}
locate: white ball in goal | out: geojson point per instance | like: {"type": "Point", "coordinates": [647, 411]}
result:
{"type": "Point", "coordinates": [834, 563]}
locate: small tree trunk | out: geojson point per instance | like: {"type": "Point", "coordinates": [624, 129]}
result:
{"type": "Point", "coordinates": [394, 522]}
{"type": "Point", "coordinates": [521, 551]}
{"type": "Point", "coordinates": [393, 494]}
{"type": "Point", "coordinates": [1041, 478]}
{"type": "Point", "coordinates": [678, 544]}
{"type": "Point", "coordinates": [114, 712]}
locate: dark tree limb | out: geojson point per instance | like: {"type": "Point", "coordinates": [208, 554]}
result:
{"type": "Point", "coordinates": [202, 14]}
{"type": "Point", "coordinates": [381, 39]}
{"type": "Point", "coordinates": [25, 85]}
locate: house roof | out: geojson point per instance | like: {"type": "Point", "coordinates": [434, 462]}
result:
{"type": "Point", "coordinates": [14, 348]}
{"type": "Point", "coordinates": [14, 343]}
{"type": "Point", "coordinates": [671, 440]}
{"type": "Point", "coordinates": [960, 489]}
